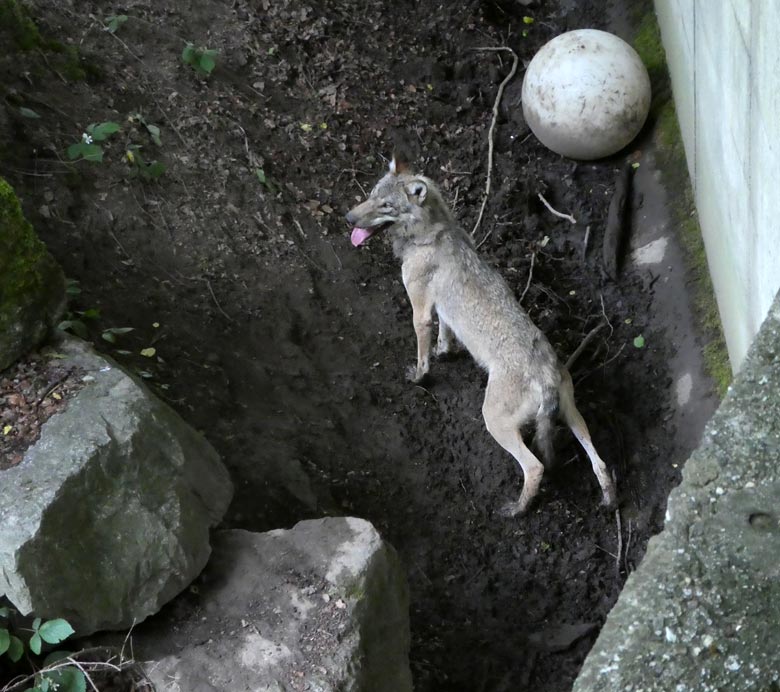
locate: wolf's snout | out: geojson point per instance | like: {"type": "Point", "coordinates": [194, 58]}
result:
{"type": "Point", "coordinates": [350, 217]}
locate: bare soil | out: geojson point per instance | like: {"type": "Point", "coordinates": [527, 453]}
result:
{"type": "Point", "coordinates": [287, 347]}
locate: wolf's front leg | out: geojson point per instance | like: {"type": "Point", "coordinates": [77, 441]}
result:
{"type": "Point", "coordinates": [422, 317]}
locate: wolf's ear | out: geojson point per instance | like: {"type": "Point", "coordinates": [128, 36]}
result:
{"type": "Point", "coordinates": [400, 163]}
{"type": "Point", "coordinates": [417, 189]}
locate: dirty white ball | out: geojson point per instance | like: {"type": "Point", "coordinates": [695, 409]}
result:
{"type": "Point", "coordinates": [586, 94]}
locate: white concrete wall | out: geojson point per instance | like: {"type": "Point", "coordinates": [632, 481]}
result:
{"type": "Point", "coordinates": [724, 60]}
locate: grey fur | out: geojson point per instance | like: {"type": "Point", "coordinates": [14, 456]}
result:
{"type": "Point", "coordinates": [442, 271]}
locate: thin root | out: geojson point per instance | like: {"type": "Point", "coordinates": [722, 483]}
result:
{"type": "Point", "coordinates": [559, 214]}
{"type": "Point", "coordinates": [490, 133]}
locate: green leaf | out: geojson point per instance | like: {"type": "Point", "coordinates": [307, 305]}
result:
{"type": "Point", "coordinates": [207, 62]}
{"type": "Point", "coordinates": [102, 131]}
{"type": "Point", "coordinates": [56, 657]}
{"type": "Point", "coordinates": [154, 133]}
{"type": "Point", "coordinates": [154, 170]}
{"type": "Point", "coordinates": [16, 649]}
{"type": "Point", "coordinates": [69, 679]}
{"type": "Point", "coordinates": [5, 612]}
{"type": "Point", "coordinates": [72, 287]}
{"type": "Point", "coordinates": [115, 21]}
{"type": "Point", "coordinates": [55, 631]}
{"type": "Point", "coordinates": [5, 640]}
{"type": "Point", "coordinates": [260, 173]}
{"type": "Point", "coordinates": [35, 643]}
{"type": "Point", "coordinates": [120, 330]}
{"type": "Point", "coordinates": [639, 342]}
{"type": "Point", "coordinates": [188, 54]}
{"type": "Point", "coordinates": [28, 113]}
{"type": "Point", "coordinates": [91, 314]}
{"type": "Point", "coordinates": [88, 152]}
{"type": "Point", "coordinates": [37, 624]}
{"type": "Point", "coordinates": [75, 326]}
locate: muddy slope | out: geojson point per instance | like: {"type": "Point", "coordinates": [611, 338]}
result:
{"type": "Point", "coordinates": [287, 347]}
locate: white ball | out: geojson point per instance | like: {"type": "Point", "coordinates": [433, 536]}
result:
{"type": "Point", "coordinates": [586, 94]}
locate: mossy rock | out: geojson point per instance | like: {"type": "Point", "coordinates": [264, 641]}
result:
{"type": "Point", "coordinates": [32, 285]}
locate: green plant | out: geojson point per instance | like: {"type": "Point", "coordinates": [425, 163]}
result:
{"type": "Point", "coordinates": [266, 181]}
{"type": "Point", "coordinates": [115, 21]}
{"type": "Point", "coordinates": [86, 149]}
{"type": "Point", "coordinates": [73, 321]}
{"type": "Point", "coordinates": [146, 170]}
{"type": "Point", "coordinates": [153, 130]}
{"type": "Point", "coordinates": [58, 670]}
{"type": "Point", "coordinates": [202, 60]}
{"type": "Point", "coordinates": [111, 333]}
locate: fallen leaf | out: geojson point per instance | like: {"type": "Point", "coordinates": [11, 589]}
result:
{"type": "Point", "coordinates": [148, 352]}
{"type": "Point", "coordinates": [7, 429]}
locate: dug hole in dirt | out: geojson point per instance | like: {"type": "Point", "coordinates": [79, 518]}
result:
{"type": "Point", "coordinates": [287, 347]}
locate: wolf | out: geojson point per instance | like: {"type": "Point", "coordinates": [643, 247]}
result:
{"type": "Point", "coordinates": [443, 272]}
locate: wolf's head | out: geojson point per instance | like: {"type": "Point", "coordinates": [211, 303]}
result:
{"type": "Point", "coordinates": [408, 206]}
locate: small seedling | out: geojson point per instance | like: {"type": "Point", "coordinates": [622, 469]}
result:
{"type": "Point", "coordinates": [87, 149]}
{"type": "Point", "coordinates": [266, 181]}
{"type": "Point", "coordinates": [143, 169]}
{"type": "Point", "coordinates": [202, 60]}
{"type": "Point", "coordinates": [111, 334]}
{"type": "Point", "coordinates": [639, 342]}
{"type": "Point", "coordinates": [114, 22]}
{"type": "Point", "coordinates": [153, 130]}
{"type": "Point", "coordinates": [28, 113]}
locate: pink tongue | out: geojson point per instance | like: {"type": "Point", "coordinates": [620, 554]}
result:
{"type": "Point", "coordinates": [360, 235]}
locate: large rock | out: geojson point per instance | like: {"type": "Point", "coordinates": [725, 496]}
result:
{"type": "Point", "coordinates": [701, 613]}
{"type": "Point", "coordinates": [321, 607]}
{"type": "Point", "coordinates": [32, 286]}
{"type": "Point", "coordinates": [107, 517]}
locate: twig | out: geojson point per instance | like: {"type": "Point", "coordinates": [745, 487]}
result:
{"type": "Point", "coordinates": [607, 362]}
{"type": "Point", "coordinates": [619, 541]}
{"type": "Point", "coordinates": [465, 492]}
{"type": "Point", "coordinates": [583, 344]}
{"type": "Point", "coordinates": [300, 228]}
{"type": "Point", "coordinates": [336, 255]}
{"type": "Point", "coordinates": [628, 547]}
{"type": "Point", "coordinates": [54, 386]}
{"type": "Point", "coordinates": [216, 302]}
{"type": "Point", "coordinates": [86, 675]}
{"type": "Point", "coordinates": [530, 274]}
{"type": "Point", "coordinates": [604, 313]}
{"type": "Point", "coordinates": [427, 391]}
{"type": "Point", "coordinates": [559, 214]}
{"type": "Point", "coordinates": [492, 128]}
{"type": "Point", "coordinates": [604, 550]}
{"type": "Point", "coordinates": [585, 241]}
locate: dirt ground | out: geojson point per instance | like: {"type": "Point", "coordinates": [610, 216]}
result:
{"type": "Point", "coordinates": [287, 347]}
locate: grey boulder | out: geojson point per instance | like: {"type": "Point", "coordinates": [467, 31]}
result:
{"type": "Point", "coordinates": [107, 517]}
{"type": "Point", "coordinates": [320, 607]}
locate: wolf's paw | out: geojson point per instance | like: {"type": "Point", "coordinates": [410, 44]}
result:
{"type": "Point", "coordinates": [414, 375]}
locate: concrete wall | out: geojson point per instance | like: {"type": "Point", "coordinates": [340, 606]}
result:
{"type": "Point", "coordinates": [724, 60]}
